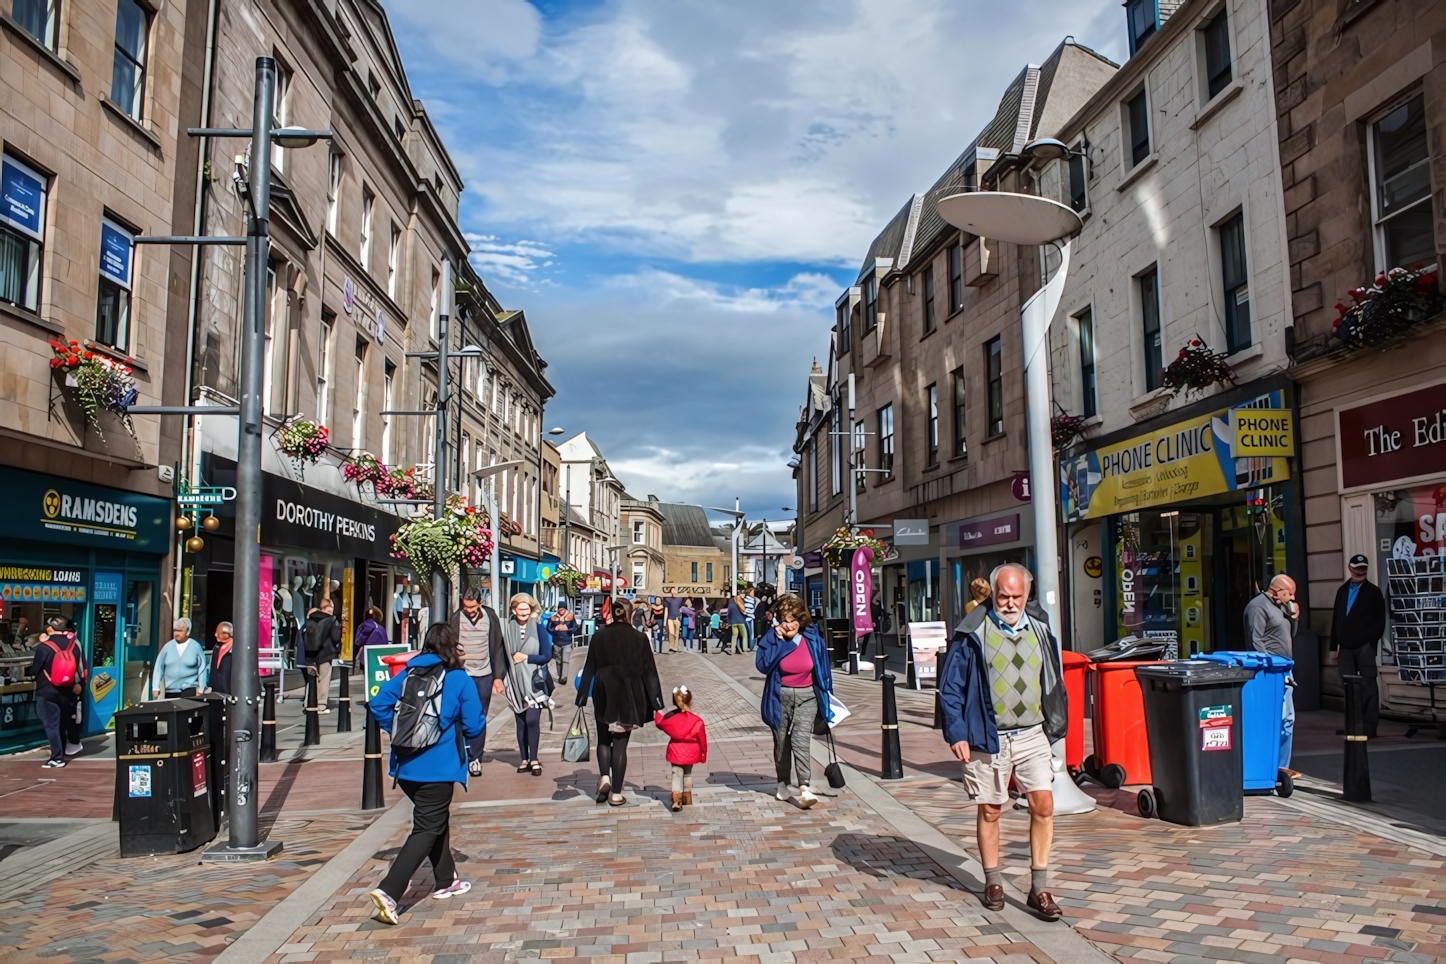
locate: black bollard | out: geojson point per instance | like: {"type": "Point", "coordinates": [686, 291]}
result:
{"type": "Point", "coordinates": [268, 724]}
{"type": "Point", "coordinates": [938, 712]}
{"type": "Point", "coordinates": [893, 768]}
{"type": "Point", "coordinates": [1356, 781]}
{"type": "Point", "coordinates": [372, 766]}
{"type": "Point", "coordinates": [343, 699]}
{"type": "Point", "coordinates": [853, 654]}
{"type": "Point", "coordinates": [313, 718]}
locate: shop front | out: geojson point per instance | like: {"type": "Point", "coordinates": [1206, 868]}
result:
{"type": "Point", "coordinates": [94, 555]}
{"type": "Point", "coordinates": [1172, 530]}
{"type": "Point", "coordinates": [973, 548]}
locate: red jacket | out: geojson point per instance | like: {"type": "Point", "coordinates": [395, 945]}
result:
{"type": "Point", "coordinates": [687, 737]}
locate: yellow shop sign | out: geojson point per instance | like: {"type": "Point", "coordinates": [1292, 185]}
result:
{"type": "Point", "coordinates": [1187, 460]}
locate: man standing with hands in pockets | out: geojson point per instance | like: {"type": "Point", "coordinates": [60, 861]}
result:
{"type": "Point", "coordinates": [1003, 699]}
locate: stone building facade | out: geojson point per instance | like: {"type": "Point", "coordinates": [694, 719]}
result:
{"type": "Point", "coordinates": [641, 562]}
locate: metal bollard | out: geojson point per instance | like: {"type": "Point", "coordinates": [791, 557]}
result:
{"type": "Point", "coordinates": [313, 718]}
{"type": "Point", "coordinates": [343, 699]}
{"type": "Point", "coordinates": [372, 765]}
{"type": "Point", "coordinates": [938, 723]}
{"type": "Point", "coordinates": [893, 763]}
{"type": "Point", "coordinates": [268, 724]}
{"type": "Point", "coordinates": [1356, 781]}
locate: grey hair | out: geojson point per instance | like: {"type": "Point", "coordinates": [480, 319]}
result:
{"type": "Point", "coordinates": [229, 629]}
{"type": "Point", "coordinates": [180, 621]}
{"type": "Point", "coordinates": [1000, 569]}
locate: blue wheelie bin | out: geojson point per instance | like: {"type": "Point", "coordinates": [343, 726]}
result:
{"type": "Point", "coordinates": [1261, 701]}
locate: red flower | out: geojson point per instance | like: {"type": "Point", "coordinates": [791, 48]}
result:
{"type": "Point", "coordinates": [1381, 278]}
{"type": "Point", "coordinates": [1182, 354]}
{"type": "Point", "coordinates": [1194, 343]}
{"type": "Point", "coordinates": [55, 363]}
{"type": "Point", "coordinates": [88, 356]}
{"type": "Point", "coordinates": [73, 359]}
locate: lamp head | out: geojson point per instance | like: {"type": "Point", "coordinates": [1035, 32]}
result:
{"type": "Point", "coordinates": [1047, 149]}
{"type": "Point", "coordinates": [555, 430]}
{"type": "Point", "coordinates": [293, 137]}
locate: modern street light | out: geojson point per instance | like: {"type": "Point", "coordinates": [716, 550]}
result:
{"type": "Point", "coordinates": [490, 491]}
{"type": "Point", "coordinates": [737, 524]}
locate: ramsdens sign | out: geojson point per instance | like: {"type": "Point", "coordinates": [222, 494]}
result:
{"type": "Point", "coordinates": [52, 509]}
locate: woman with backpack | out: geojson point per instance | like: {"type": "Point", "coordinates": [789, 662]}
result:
{"type": "Point", "coordinates": [58, 668]}
{"type": "Point", "coordinates": [527, 683]}
{"type": "Point", "coordinates": [429, 756]}
{"type": "Point", "coordinates": [622, 679]}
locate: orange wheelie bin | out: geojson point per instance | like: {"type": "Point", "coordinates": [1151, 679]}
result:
{"type": "Point", "coordinates": [1075, 665]}
{"type": "Point", "coordinates": [1122, 747]}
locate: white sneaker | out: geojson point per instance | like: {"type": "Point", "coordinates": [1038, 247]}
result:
{"type": "Point", "coordinates": [52, 764]}
{"type": "Point", "coordinates": [474, 768]}
{"type": "Point", "coordinates": [72, 749]}
{"type": "Point", "coordinates": [386, 907]}
{"type": "Point", "coordinates": [457, 888]}
{"type": "Point", "coordinates": [806, 798]}
{"type": "Point", "coordinates": [782, 793]}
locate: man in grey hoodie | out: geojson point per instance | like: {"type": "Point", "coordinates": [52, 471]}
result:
{"type": "Point", "coordinates": [1270, 623]}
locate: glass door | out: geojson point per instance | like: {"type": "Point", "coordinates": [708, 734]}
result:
{"type": "Point", "coordinates": [136, 630]}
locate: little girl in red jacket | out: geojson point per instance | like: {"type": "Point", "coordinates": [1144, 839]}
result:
{"type": "Point", "coordinates": [687, 744]}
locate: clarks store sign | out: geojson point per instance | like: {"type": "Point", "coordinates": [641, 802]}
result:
{"type": "Point", "coordinates": [1397, 439]}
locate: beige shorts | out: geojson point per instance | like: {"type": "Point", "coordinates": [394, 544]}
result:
{"type": "Point", "coordinates": [1024, 753]}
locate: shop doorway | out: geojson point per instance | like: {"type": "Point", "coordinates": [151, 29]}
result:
{"type": "Point", "coordinates": [220, 589]}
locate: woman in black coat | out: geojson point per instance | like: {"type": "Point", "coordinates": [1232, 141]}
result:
{"type": "Point", "coordinates": [622, 680]}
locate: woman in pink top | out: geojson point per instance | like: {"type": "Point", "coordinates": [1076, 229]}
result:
{"type": "Point", "coordinates": [797, 682]}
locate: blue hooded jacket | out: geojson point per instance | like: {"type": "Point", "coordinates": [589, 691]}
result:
{"type": "Point", "coordinates": [772, 649]}
{"type": "Point", "coordinates": [968, 707]}
{"type": "Point", "coordinates": [446, 760]}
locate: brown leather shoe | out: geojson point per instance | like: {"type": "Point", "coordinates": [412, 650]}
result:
{"type": "Point", "coordinates": [677, 802]}
{"type": "Point", "coordinates": [687, 798]}
{"type": "Point", "coordinates": [993, 898]}
{"type": "Point", "coordinates": [1043, 904]}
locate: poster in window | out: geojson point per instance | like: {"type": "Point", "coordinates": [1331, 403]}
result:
{"type": "Point", "coordinates": [115, 253]}
{"type": "Point", "coordinates": [22, 197]}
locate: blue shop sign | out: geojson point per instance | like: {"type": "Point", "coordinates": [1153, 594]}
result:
{"type": "Point", "coordinates": [107, 589]}
{"type": "Point", "coordinates": [530, 570]}
{"type": "Point", "coordinates": [47, 508]}
{"type": "Point", "coordinates": [22, 197]}
{"type": "Point", "coordinates": [115, 253]}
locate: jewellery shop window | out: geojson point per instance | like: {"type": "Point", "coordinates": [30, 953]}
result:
{"type": "Point", "coordinates": [1410, 542]}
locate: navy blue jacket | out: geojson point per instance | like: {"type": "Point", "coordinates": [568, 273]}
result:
{"type": "Point", "coordinates": [446, 760]}
{"type": "Point", "coordinates": [562, 632]}
{"type": "Point", "coordinates": [772, 648]}
{"type": "Point", "coordinates": [964, 682]}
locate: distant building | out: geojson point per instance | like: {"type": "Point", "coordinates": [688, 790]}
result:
{"type": "Point", "coordinates": [694, 563]}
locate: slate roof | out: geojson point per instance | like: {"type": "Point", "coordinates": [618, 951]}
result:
{"type": "Point", "coordinates": [685, 525]}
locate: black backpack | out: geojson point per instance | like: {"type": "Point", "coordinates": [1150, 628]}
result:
{"type": "Point", "coordinates": [417, 719]}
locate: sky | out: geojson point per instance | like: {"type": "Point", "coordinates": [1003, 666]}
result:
{"type": "Point", "coordinates": [676, 192]}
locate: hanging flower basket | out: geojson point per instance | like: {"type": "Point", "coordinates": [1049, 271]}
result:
{"type": "Point", "coordinates": [840, 547]}
{"type": "Point", "coordinates": [1196, 368]}
{"type": "Point", "coordinates": [364, 469]}
{"type": "Point", "coordinates": [1380, 314]}
{"type": "Point", "coordinates": [302, 441]}
{"type": "Point", "coordinates": [402, 484]}
{"type": "Point", "coordinates": [1064, 428]}
{"type": "Point", "coordinates": [100, 383]}
{"type": "Point", "coordinates": [568, 579]}
{"type": "Point", "coordinates": [460, 537]}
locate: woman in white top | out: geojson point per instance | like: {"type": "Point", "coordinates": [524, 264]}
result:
{"type": "Point", "coordinates": [181, 668]}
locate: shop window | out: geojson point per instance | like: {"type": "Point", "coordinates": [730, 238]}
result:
{"type": "Point", "coordinates": [1089, 399]}
{"type": "Point", "coordinates": [113, 301]}
{"type": "Point", "coordinates": [39, 18]}
{"type": "Point", "coordinates": [928, 284]}
{"type": "Point", "coordinates": [994, 369]}
{"type": "Point", "coordinates": [1149, 283]}
{"type": "Point", "coordinates": [128, 72]}
{"type": "Point", "coordinates": [1401, 187]}
{"type": "Point", "coordinates": [1163, 575]}
{"type": "Point", "coordinates": [1237, 283]}
{"type": "Point", "coordinates": [931, 401]}
{"type": "Point", "coordinates": [23, 193]}
{"type": "Point", "coordinates": [1411, 569]}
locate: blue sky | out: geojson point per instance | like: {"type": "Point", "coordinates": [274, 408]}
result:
{"type": "Point", "coordinates": [677, 191]}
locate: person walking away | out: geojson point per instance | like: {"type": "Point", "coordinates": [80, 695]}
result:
{"type": "Point", "coordinates": [715, 625]}
{"type": "Point", "coordinates": [221, 660]}
{"type": "Point", "coordinates": [1270, 623]}
{"type": "Point", "coordinates": [428, 759]}
{"type": "Point", "coordinates": [529, 649]}
{"type": "Point", "coordinates": [797, 685]}
{"type": "Point", "coordinates": [673, 606]}
{"type": "Point", "coordinates": [621, 677]}
{"type": "Point", "coordinates": [322, 640]}
{"type": "Point", "coordinates": [484, 660]}
{"type": "Point", "coordinates": [59, 670]}
{"type": "Point", "coordinates": [979, 593]}
{"type": "Point", "coordinates": [180, 669]}
{"type": "Point", "coordinates": [372, 632]}
{"type": "Point", "coordinates": [690, 617]}
{"type": "Point", "coordinates": [750, 609]}
{"type": "Point", "coordinates": [687, 744]}
{"type": "Point", "coordinates": [737, 625]}
{"type": "Point", "coordinates": [1003, 700]}
{"type": "Point", "coordinates": [563, 626]}
{"type": "Point", "coordinates": [1357, 624]}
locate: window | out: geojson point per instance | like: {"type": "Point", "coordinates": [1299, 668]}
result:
{"type": "Point", "coordinates": [333, 190]}
{"type": "Point", "coordinates": [961, 446]}
{"type": "Point", "coordinates": [1237, 284]}
{"type": "Point", "coordinates": [368, 202]}
{"type": "Point", "coordinates": [436, 311]}
{"type": "Point", "coordinates": [956, 277]}
{"type": "Point", "coordinates": [22, 225]}
{"type": "Point", "coordinates": [970, 176]}
{"type": "Point", "coordinates": [323, 368]}
{"type": "Point", "coordinates": [859, 437]}
{"type": "Point", "coordinates": [1089, 397]}
{"type": "Point", "coordinates": [929, 321]}
{"type": "Point", "coordinates": [463, 459]}
{"type": "Point", "coordinates": [1142, 20]}
{"type": "Point", "coordinates": [886, 440]}
{"type": "Point", "coordinates": [280, 112]}
{"type": "Point", "coordinates": [845, 330]}
{"type": "Point", "coordinates": [401, 130]}
{"type": "Point", "coordinates": [639, 575]}
{"type": "Point", "coordinates": [1138, 111]}
{"type": "Point", "coordinates": [394, 245]}
{"type": "Point", "coordinates": [640, 533]}
{"type": "Point", "coordinates": [1079, 198]}
{"type": "Point", "coordinates": [128, 72]}
{"type": "Point", "coordinates": [931, 400]}
{"type": "Point", "coordinates": [113, 306]}
{"type": "Point", "coordinates": [694, 579]}
{"type": "Point", "coordinates": [1401, 187]}
{"type": "Point", "coordinates": [1150, 316]}
{"type": "Point", "coordinates": [1217, 55]}
{"type": "Point", "coordinates": [813, 474]}
{"type": "Point", "coordinates": [270, 353]}
{"type": "Point", "coordinates": [994, 371]}
{"type": "Point", "coordinates": [871, 304]}
{"type": "Point", "coordinates": [373, 85]}
{"type": "Point", "coordinates": [39, 18]}
{"type": "Point", "coordinates": [708, 569]}
{"type": "Point", "coordinates": [836, 444]}
{"type": "Point", "coordinates": [389, 375]}
{"type": "Point", "coordinates": [359, 407]}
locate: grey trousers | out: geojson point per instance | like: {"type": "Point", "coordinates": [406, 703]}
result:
{"type": "Point", "coordinates": [794, 737]}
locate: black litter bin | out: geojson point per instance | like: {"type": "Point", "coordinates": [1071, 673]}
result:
{"type": "Point", "coordinates": [163, 777]}
{"type": "Point", "coordinates": [218, 709]}
{"type": "Point", "coordinates": [1192, 716]}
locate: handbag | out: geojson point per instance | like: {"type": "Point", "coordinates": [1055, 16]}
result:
{"type": "Point", "coordinates": [577, 745]}
{"type": "Point", "coordinates": [833, 771]}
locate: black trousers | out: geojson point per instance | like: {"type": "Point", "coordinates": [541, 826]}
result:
{"type": "Point", "coordinates": [431, 838]}
{"type": "Point", "coordinates": [1361, 661]}
{"type": "Point", "coordinates": [57, 715]}
{"type": "Point", "coordinates": [477, 744]}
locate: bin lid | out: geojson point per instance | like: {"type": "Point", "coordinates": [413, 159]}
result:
{"type": "Point", "coordinates": [1196, 672]}
{"type": "Point", "coordinates": [155, 707]}
{"type": "Point", "coordinates": [1120, 664]}
{"type": "Point", "coordinates": [1072, 658]}
{"type": "Point", "coordinates": [1250, 659]}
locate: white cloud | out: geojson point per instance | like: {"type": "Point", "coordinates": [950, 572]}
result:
{"type": "Point", "coordinates": [514, 263]}
{"type": "Point", "coordinates": [806, 290]}
{"type": "Point", "coordinates": [483, 34]}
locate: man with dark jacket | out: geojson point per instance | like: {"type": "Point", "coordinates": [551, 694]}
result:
{"type": "Point", "coordinates": [484, 658]}
{"type": "Point", "coordinates": [562, 627]}
{"type": "Point", "coordinates": [1002, 694]}
{"type": "Point", "coordinates": [1357, 625]}
{"type": "Point", "coordinates": [322, 641]}
{"type": "Point", "coordinates": [58, 668]}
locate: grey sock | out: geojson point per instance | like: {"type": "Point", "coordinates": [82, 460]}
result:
{"type": "Point", "coordinates": [993, 876]}
{"type": "Point", "coordinates": [1038, 879]}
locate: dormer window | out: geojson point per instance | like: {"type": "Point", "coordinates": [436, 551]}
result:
{"type": "Point", "coordinates": [1143, 17]}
